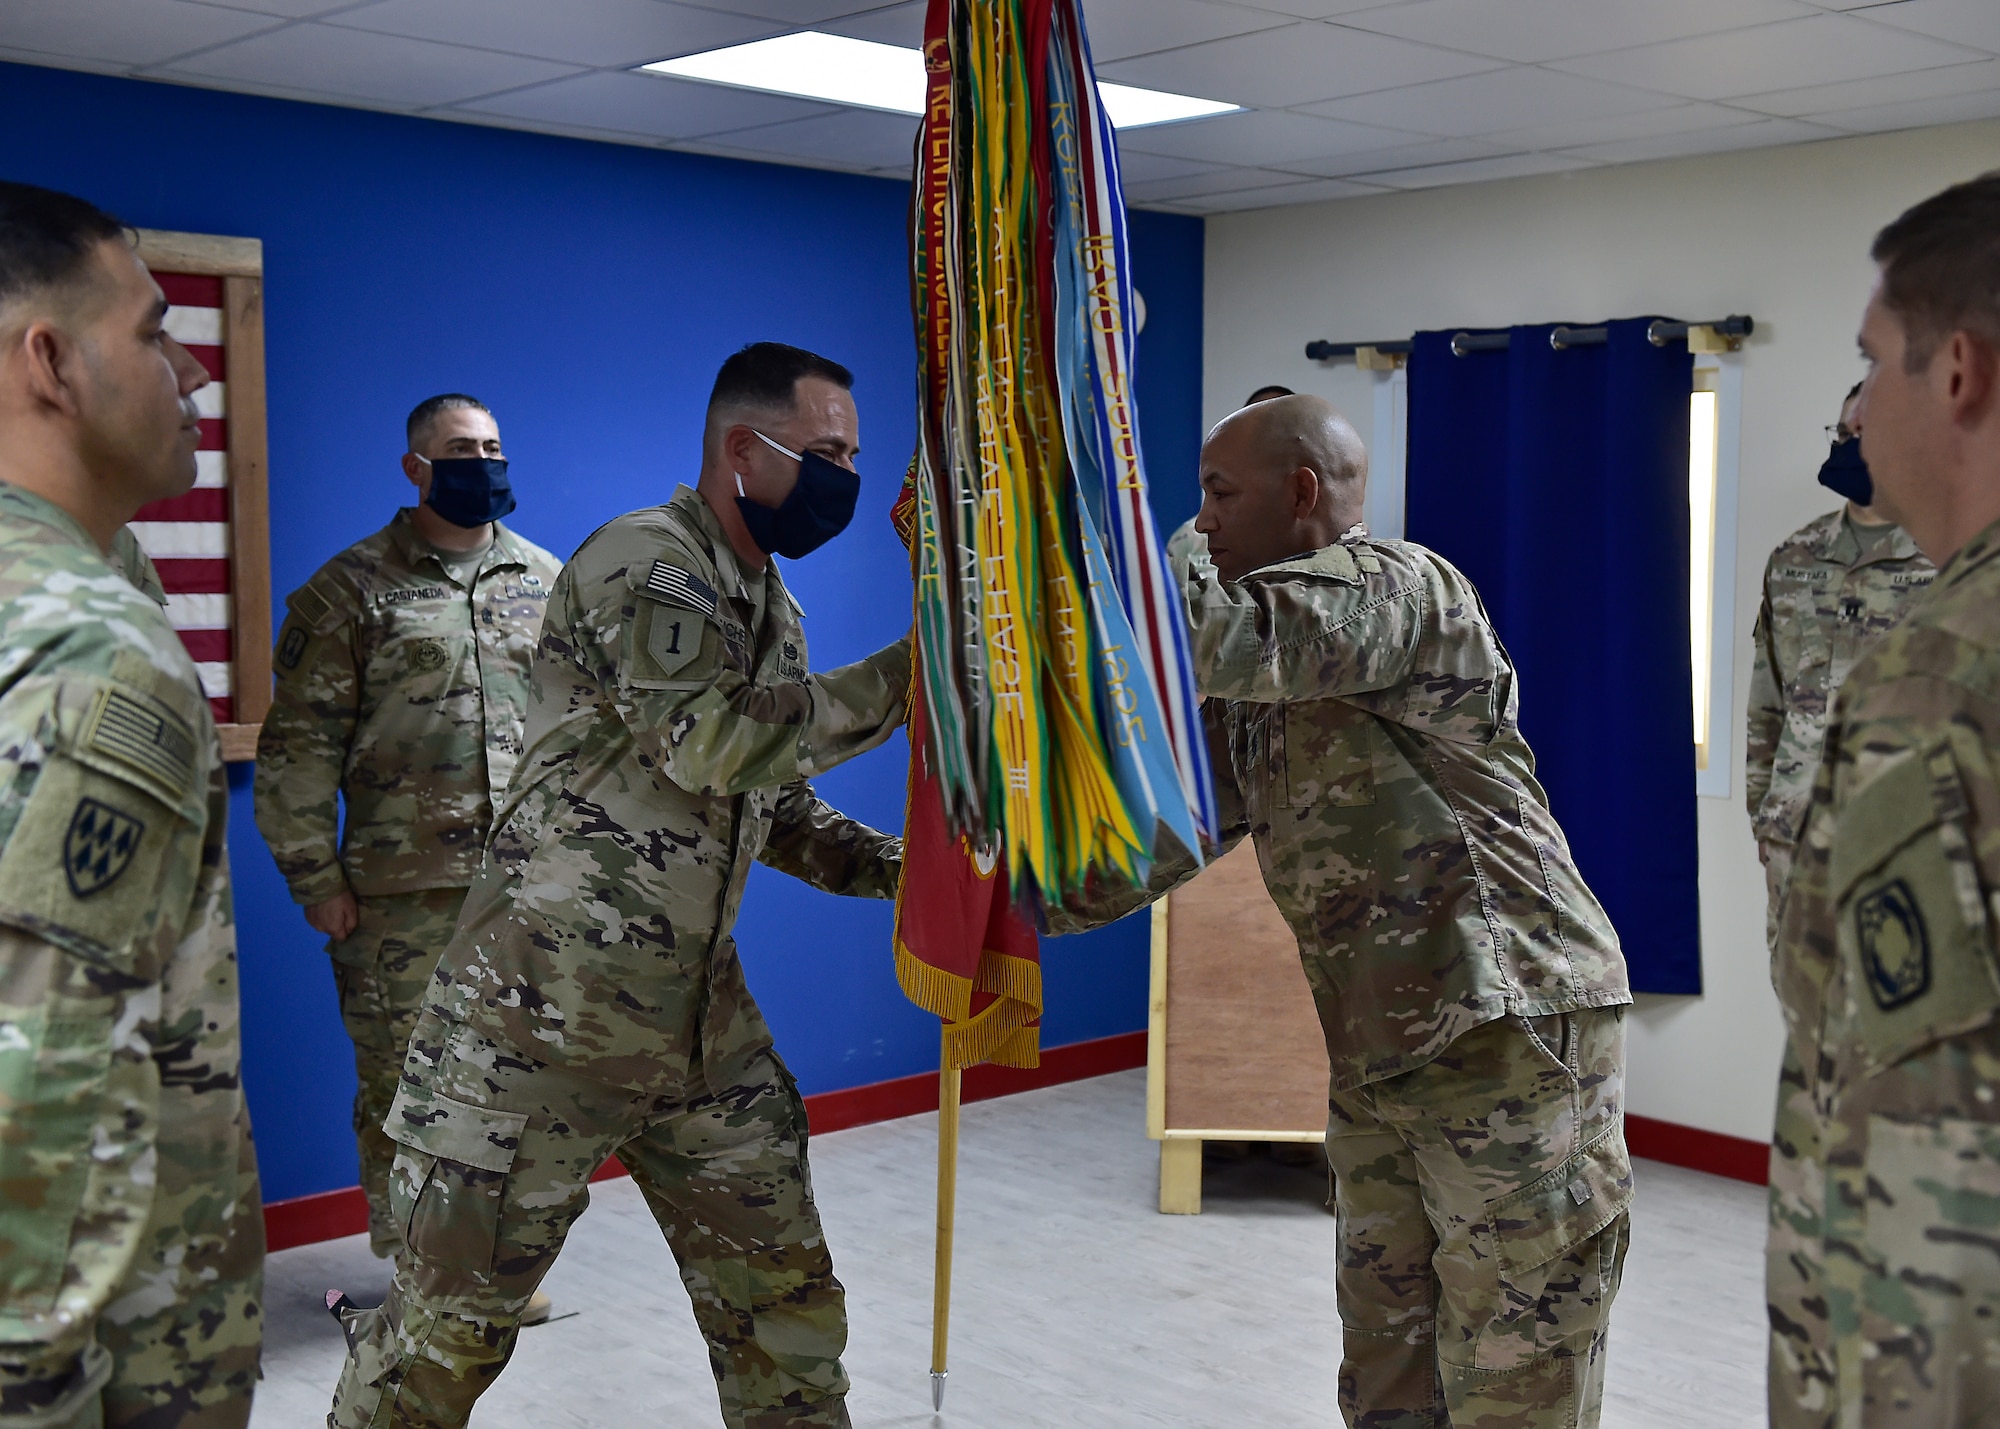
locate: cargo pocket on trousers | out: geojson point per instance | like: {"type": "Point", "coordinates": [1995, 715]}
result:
{"type": "Point", "coordinates": [1537, 1230]}
{"type": "Point", "coordinates": [447, 1186]}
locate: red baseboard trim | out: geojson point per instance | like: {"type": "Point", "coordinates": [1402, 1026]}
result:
{"type": "Point", "coordinates": [331, 1214]}
{"type": "Point", "coordinates": [306, 1219]}
{"type": "Point", "coordinates": [1736, 1157]}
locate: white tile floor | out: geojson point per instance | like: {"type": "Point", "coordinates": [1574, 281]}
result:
{"type": "Point", "coordinates": [1077, 1303]}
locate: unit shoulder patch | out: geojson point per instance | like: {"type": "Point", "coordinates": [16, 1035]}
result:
{"type": "Point", "coordinates": [680, 587]}
{"type": "Point", "coordinates": [99, 845]}
{"type": "Point", "coordinates": [1895, 946]}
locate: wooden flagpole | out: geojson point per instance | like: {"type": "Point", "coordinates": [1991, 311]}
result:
{"type": "Point", "coordinates": [947, 1198]}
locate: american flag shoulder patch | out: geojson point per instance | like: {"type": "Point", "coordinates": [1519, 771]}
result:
{"type": "Point", "coordinates": [671, 583]}
{"type": "Point", "coordinates": [146, 737]}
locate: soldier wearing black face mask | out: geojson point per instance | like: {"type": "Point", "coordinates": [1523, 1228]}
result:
{"type": "Point", "coordinates": [402, 685]}
{"type": "Point", "coordinates": [1829, 588]}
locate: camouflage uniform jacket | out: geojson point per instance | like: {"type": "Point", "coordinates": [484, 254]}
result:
{"type": "Point", "coordinates": [1827, 593]}
{"type": "Point", "coordinates": [1889, 976]}
{"type": "Point", "coordinates": [672, 726]}
{"type": "Point", "coordinates": [402, 689]}
{"type": "Point", "coordinates": [1367, 711]}
{"type": "Point", "coordinates": [127, 1142]}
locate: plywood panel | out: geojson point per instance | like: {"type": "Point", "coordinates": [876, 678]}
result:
{"type": "Point", "coordinates": [1243, 1044]}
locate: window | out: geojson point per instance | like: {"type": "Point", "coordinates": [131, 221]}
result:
{"type": "Point", "coordinates": [1701, 550]}
{"type": "Point", "coordinates": [1714, 417]}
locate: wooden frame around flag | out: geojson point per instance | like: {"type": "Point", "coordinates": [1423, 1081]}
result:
{"type": "Point", "coordinates": [213, 545]}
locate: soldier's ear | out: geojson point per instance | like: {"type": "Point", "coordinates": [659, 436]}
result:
{"type": "Point", "coordinates": [1305, 492]}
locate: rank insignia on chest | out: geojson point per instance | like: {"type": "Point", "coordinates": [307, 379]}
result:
{"type": "Point", "coordinates": [1895, 948]}
{"type": "Point", "coordinates": [98, 846]}
{"type": "Point", "coordinates": [428, 655]}
{"type": "Point", "coordinates": [671, 583]}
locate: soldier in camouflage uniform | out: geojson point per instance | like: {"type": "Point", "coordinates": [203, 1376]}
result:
{"type": "Point", "coordinates": [1886, 958]}
{"type": "Point", "coordinates": [131, 1229]}
{"type": "Point", "coordinates": [1361, 714]}
{"type": "Point", "coordinates": [1830, 589]}
{"type": "Point", "coordinates": [402, 684]}
{"type": "Point", "coordinates": [592, 1001]}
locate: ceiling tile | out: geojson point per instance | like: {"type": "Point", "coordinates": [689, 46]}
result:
{"type": "Point", "coordinates": [1294, 64]}
{"type": "Point", "coordinates": [866, 138]}
{"type": "Point", "coordinates": [1307, 9]}
{"type": "Point", "coordinates": [720, 150]}
{"type": "Point", "coordinates": [288, 9]}
{"type": "Point", "coordinates": [1474, 171]}
{"type": "Point", "coordinates": [794, 12]}
{"type": "Point", "coordinates": [1428, 151]}
{"type": "Point", "coordinates": [1260, 137]}
{"type": "Point", "coordinates": [1530, 31]}
{"type": "Point", "coordinates": [892, 25]}
{"type": "Point", "coordinates": [1217, 181]}
{"type": "Point", "coordinates": [1756, 135]}
{"type": "Point", "coordinates": [587, 32]}
{"type": "Point", "coordinates": [1516, 98]}
{"type": "Point", "coordinates": [123, 32]}
{"type": "Point", "coordinates": [1967, 22]}
{"type": "Point", "coordinates": [1281, 195]}
{"type": "Point", "coordinates": [1121, 28]}
{"type": "Point", "coordinates": [1914, 113]}
{"type": "Point", "coordinates": [354, 65]}
{"type": "Point", "coordinates": [1675, 119]}
{"type": "Point", "coordinates": [648, 104]}
{"type": "Point", "coordinates": [1869, 93]}
{"type": "Point", "coordinates": [1136, 167]}
{"type": "Point", "coordinates": [1824, 49]}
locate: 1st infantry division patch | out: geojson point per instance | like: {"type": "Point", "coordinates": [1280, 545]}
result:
{"type": "Point", "coordinates": [99, 846]}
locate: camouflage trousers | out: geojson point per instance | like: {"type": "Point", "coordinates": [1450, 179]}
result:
{"type": "Point", "coordinates": [494, 1166]}
{"type": "Point", "coordinates": [383, 971]}
{"type": "Point", "coordinates": [177, 1342]}
{"type": "Point", "coordinates": [1800, 1377]}
{"type": "Point", "coordinates": [1482, 1202]}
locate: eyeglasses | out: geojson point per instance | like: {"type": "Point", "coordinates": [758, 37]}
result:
{"type": "Point", "coordinates": [1839, 432]}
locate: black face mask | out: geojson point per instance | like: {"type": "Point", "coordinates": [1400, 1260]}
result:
{"type": "Point", "coordinates": [469, 490]}
{"type": "Point", "coordinates": [1845, 473]}
{"type": "Point", "coordinates": [819, 507]}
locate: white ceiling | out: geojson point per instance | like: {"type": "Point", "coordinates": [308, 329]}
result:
{"type": "Point", "coordinates": [1344, 96]}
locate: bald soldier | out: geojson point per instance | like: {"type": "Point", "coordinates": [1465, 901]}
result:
{"type": "Point", "coordinates": [1887, 965]}
{"type": "Point", "coordinates": [131, 1232]}
{"type": "Point", "coordinates": [1362, 717]}
{"type": "Point", "coordinates": [592, 1001]}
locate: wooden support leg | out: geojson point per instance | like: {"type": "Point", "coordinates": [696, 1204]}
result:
{"type": "Point", "coordinates": [1180, 1177]}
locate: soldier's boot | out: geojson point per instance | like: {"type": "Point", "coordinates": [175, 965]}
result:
{"type": "Point", "coordinates": [539, 1309]}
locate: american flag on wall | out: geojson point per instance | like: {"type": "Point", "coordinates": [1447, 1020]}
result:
{"type": "Point", "coordinates": [188, 537]}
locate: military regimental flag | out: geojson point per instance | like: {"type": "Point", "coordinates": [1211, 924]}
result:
{"type": "Point", "coordinates": [1053, 731]}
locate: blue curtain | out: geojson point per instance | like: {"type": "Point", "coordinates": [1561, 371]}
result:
{"type": "Point", "coordinates": [1558, 482]}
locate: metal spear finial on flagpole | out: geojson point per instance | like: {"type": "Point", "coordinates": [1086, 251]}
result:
{"type": "Point", "coordinates": [947, 1198]}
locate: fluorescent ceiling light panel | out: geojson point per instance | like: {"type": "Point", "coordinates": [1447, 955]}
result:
{"type": "Point", "coordinates": [812, 65]}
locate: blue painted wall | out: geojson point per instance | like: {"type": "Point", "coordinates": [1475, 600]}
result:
{"type": "Point", "coordinates": [587, 292]}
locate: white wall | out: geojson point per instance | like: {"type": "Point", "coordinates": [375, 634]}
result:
{"type": "Point", "coordinates": [1781, 234]}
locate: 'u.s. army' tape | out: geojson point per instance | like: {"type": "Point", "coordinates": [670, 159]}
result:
{"type": "Point", "coordinates": [681, 587]}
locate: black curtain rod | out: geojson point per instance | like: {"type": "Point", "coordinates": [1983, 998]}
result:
{"type": "Point", "coordinates": [1662, 332]}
